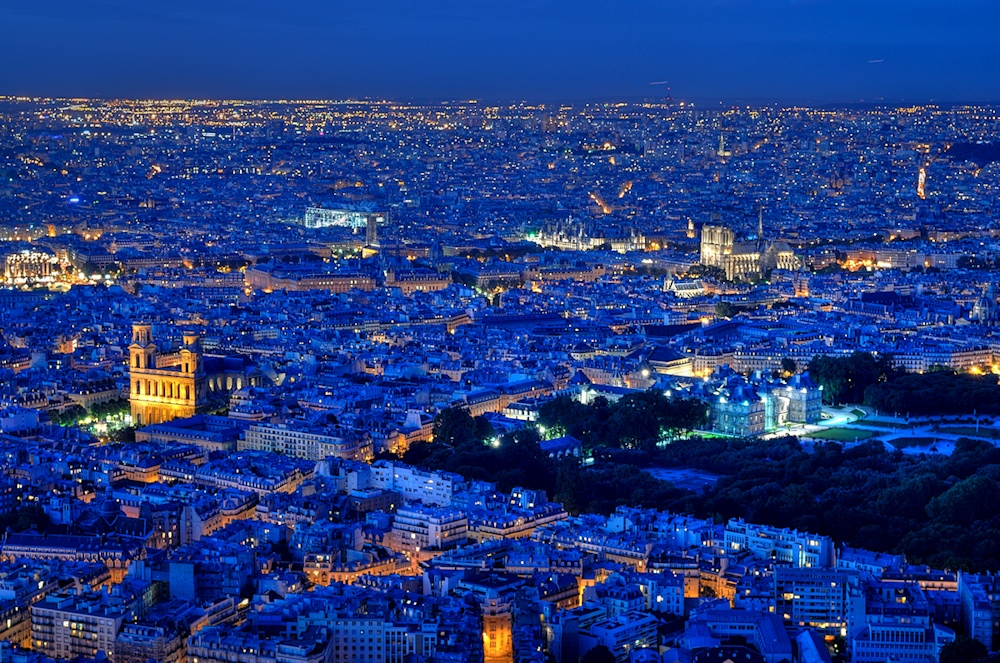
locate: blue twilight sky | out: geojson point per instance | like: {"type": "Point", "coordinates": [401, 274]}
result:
{"type": "Point", "coordinates": [808, 51]}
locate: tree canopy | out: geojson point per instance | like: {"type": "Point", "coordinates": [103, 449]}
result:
{"type": "Point", "coordinates": [936, 392]}
{"type": "Point", "coordinates": [964, 650]}
{"type": "Point", "coordinates": [845, 379]}
{"type": "Point", "coordinates": [638, 420]}
{"type": "Point", "coordinates": [599, 654]}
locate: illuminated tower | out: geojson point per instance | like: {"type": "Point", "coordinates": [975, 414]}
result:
{"type": "Point", "coordinates": [716, 243]}
{"type": "Point", "coordinates": [801, 283]}
{"type": "Point", "coordinates": [142, 352]}
{"type": "Point", "coordinates": [164, 387]}
{"type": "Point", "coordinates": [722, 151]}
{"type": "Point", "coordinates": [498, 626]}
{"type": "Point", "coordinates": [984, 311]}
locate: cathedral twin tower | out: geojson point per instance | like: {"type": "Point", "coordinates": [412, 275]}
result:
{"type": "Point", "coordinates": [165, 386]}
{"type": "Point", "coordinates": [179, 384]}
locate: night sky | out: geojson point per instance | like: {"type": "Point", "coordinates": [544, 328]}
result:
{"type": "Point", "coordinates": [804, 51]}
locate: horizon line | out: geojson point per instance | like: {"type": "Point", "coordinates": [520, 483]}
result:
{"type": "Point", "coordinates": [426, 101]}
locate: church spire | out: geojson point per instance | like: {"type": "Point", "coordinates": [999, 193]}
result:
{"type": "Point", "coordinates": [760, 227]}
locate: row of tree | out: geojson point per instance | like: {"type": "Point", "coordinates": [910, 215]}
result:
{"type": "Point", "coordinates": [469, 446]}
{"type": "Point", "coordinates": [72, 415]}
{"type": "Point", "coordinates": [639, 420]}
{"type": "Point", "coordinates": [936, 392]}
{"type": "Point", "coordinates": [872, 380]}
{"type": "Point", "coordinates": [938, 510]}
{"type": "Point", "coordinates": [845, 379]}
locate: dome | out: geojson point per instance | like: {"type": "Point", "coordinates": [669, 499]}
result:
{"type": "Point", "coordinates": [110, 509]}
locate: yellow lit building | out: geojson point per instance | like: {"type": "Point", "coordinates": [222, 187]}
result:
{"type": "Point", "coordinates": [166, 386]}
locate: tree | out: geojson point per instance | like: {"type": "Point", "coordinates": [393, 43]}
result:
{"type": "Point", "coordinates": [725, 310]}
{"type": "Point", "coordinates": [31, 516]}
{"type": "Point", "coordinates": [455, 426]}
{"type": "Point", "coordinates": [788, 366]}
{"type": "Point", "coordinates": [966, 502]}
{"type": "Point", "coordinates": [599, 654]}
{"type": "Point", "coordinates": [936, 392]}
{"type": "Point", "coordinates": [964, 650]}
{"type": "Point", "coordinates": [123, 435]}
{"type": "Point", "coordinates": [845, 379]}
{"type": "Point", "coordinates": [68, 417]}
{"type": "Point", "coordinates": [636, 421]}
{"type": "Point", "coordinates": [707, 271]}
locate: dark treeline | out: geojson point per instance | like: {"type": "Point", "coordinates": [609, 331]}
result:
{"type": "Point", "coordinates": [640, 420]}
{"type": "Point", "coordinates": [936, 392]}
{"type": "Point", "coordinates": [468, 446]}
{"type": "Point", "coordinates": [869, 380]}
{"type": "Point", "coordinates": [845, 379]}
{"type": "Point", "coordinates": [938, 510]}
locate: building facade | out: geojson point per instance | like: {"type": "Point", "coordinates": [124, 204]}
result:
{"type": "Point", "coordinates": [167, 386]}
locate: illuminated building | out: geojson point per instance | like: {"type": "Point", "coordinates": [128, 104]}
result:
{"type": "Point", "coordinates": [165, 387]}
{"type": "Point", "coordinates": [311, 443]}
{"type": "Point", "coordinates": [497, 629]}
{"type": "Point", "coordinates": [413, 484]}
{"type": "Point", "coordinates": [371, 229]}
{"type": "Point", "coordinates": [622, 634]}
{"type": "Point", "coordinates": [178, 385]}
{"type": "Point", "coordinates": [800, 282]}
{"type": "Point", "coordinates": [979, 595]}
{"type": "Point", "coordinates": [716, 243]}
{"type": "Point", "coordinates": [298, 278]}
{"type": "Point", "coordinates": [815, 598]}
{"type": "Point", "coordinates": [800, 549]}
{"type": "Point", "coordinates": [417, 528]}
{"type": "Point", "coordinates": [417, 280]}
{"type": "Point", "coordinates": [985, 310]}
{"type": "Point", "coordinates": [898, 624]}
{"type": "Point", "coordinates": [71, 626]}
{"type": "Point", "coordinates": [576, 235]}
{"type": "Point", "coordinates": [30, 265]}
{"type": "Point", "coordinates": [356, 218]}
{"type": "Point", "coordinates": [112, 552]}
{"type": "Point", "coordinates": [744, 260]}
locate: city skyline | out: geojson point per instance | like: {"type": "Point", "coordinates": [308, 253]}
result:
{"type": "Point", "coordinates": [810, 53]}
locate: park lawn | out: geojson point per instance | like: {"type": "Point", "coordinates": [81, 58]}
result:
{"type": "Point", "coordinates": [842, 434]}
{"type": "Point", "coordinates": [707, 435]}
